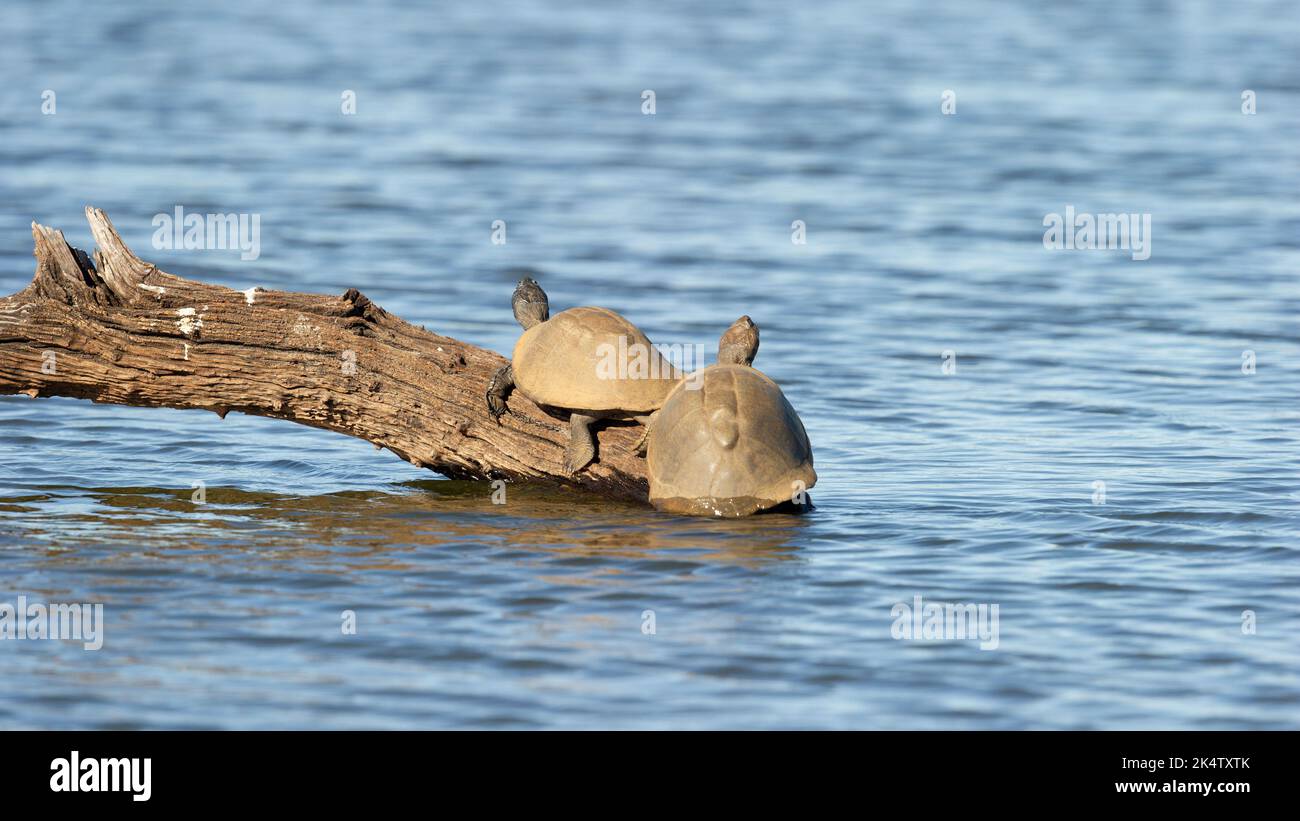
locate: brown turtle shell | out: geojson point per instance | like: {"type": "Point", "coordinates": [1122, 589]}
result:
{"type": "Point", "coordinates": [572, 362]}
{"type": "Point", "coordinates": [727, 443]}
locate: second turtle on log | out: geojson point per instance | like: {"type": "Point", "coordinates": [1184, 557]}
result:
{"type": "Point", "coordinates": [562, 363]}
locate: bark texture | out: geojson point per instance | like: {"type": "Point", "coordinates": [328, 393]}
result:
{"type": "Point", "coordinates": [116, 329]}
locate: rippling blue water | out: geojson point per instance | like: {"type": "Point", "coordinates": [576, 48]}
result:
{"type": "Point", "coordinates": [924, 235]}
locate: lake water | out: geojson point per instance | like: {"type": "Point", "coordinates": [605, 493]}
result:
{"type": "Point", "coordinates": [1121, 605]}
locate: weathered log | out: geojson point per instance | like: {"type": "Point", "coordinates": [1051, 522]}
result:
{"type": "Point", "coordinates": [118, 330]}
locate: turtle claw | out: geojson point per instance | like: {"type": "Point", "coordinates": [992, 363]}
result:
{"type": "Point", "coordinates": [496, 407]}
{"type": "Point", "coordinates": [498, 390]}
{"type": "Point", "coordinates": [577, 457]}
{"type": "Point", "coordinates": [642, 444]}
{"type": "Point", "coordinates": [581, 449]}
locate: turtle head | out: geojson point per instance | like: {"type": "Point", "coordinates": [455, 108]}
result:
{"type": "Point", "coordinates": [529, 303]}
{"type": "Point", "coordinates": [739, 345]}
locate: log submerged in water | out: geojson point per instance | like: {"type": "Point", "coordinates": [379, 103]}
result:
{"type": "Point", "coordinates": [118, 330]}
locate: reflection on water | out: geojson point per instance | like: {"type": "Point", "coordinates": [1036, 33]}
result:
{"type": "Point", "coordinates": [410, 516]}
{"type": "Point", "coordinates": [975, 484]}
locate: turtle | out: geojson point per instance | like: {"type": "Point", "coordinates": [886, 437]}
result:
{"type": "Point", "coordinates": [738, 345]}
{"type": "Point", "coordinates": [574, 365]}
{"type": "Point", "coordinates": [726, 441]}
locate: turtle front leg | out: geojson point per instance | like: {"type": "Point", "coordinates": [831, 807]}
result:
{"type": "Point", "coordinates": [644, 442]}
{"type": "Point", "coordinates": [582, 448]}
{"type": "Point", "coordinates": [498, 390]}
